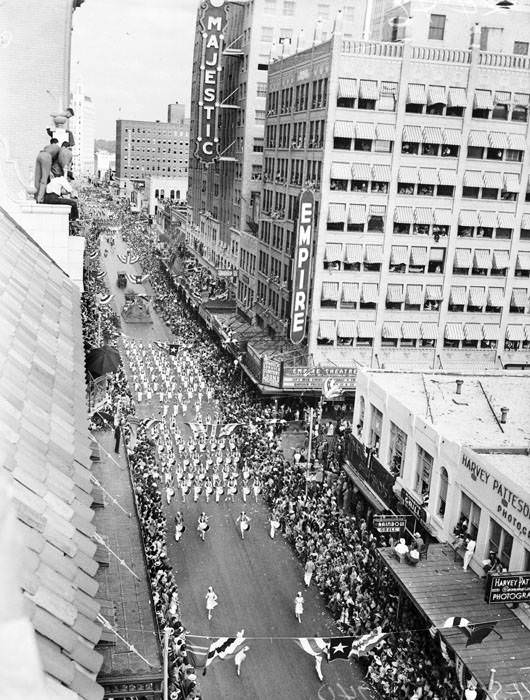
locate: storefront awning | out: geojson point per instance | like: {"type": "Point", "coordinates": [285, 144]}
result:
{"type": "Point", "coordinates": [370, 292]}
{"type": "Point", "coordinates": [356, 214]}
{"type": "Point", "coordinates": [414, 294]}
{"type": "Point", "coordinates": [457, 97]}
{"type": "Point", "coordinates": [473, 178]}
{"type": "Point", "coordinates": [423, 216]}
{"type": "Point", "coordinates": [412, 134]}
{"type": "Point", "coordinates": [340, 171]}
{"type": "Point", "coordinates": [336, 213]}
{"type": "Point", "coordinates": [385, 132]}
{"type": "Point", "coordinates": [452, 137]}
{"type": "Point", "coordinates": [436, 95]}
{"type": "Point", "coordinates": [354, 253]}
{"type": "Point", "coordinates": [478, 139]}
{"type": "Point", "coordinates": [481, 258]}
{"type": "Point", "coordinates": [447, 177]}
{"type": "Point", "coordinates": [458, 296]}
{"type": "Point", "coordinates": [496, 296]}
{"type": "Point", "coordinates": [361, 171]}
{"type": "Point", "coordinates": [333, 252]}
{"type": "Point", "coordinates": [433, 292]}
{"type": "Point", "coordinates": [348, 88]}
{"type": "Point", "coordinates": [454, 331]}
{"type": "Point", "coordinates": [418, 255]}
{"type": "Point", "coordinates": [525, 222]}
{"type": "Point", "coordinates": [326, 330]}
{"type": "Point", "coordinates": [403, 215]}
{"type": "Point", "coordinates": [365, 329]}
{"type": "Point", "coordinates": [511, 182]}
{"type": "Point", "coordinates": [501, 259]}
{"type": "Point", "coordinates": [410, 330]}
{"type": "Point", "coordinates": [527, 332]}
{"type": "Point", "coordinates": [443, 217]}
{"type": "Point", "coordinates": [346, 329]}
{"type": "Point", "coordinates": [468, 218]}
{"type": "Point", "coordinates": [368, 90]}
{"type": "Point", "coordinates": [381, 173]}
{"type": "Point", "coordinates": [428, 176]}
{"type": "Point", "coordinates": [519, 297]}
{"type": "Point", "coordinates": [399, 255]}
{"type": "Point", "coordinates": [330, 291]}
{"type": "Point", "coordinates": [498, 139]}
{"type": "Point", "coordinates": [417, 94]}
{"type": "Point", "coordinates": [517, 142]}
{"type": "Point", "coordinates": [462, 258]}
{"type": "Point", "coordinates": [473, 331]}
{"type": "Point", "coordinates": [515, 332]}
{"type": "Point", "coordinates": [391, 329]}
{"type": "Point", "coordinates": [477, 296]}
{"type": "Point", "coordinates": [523, 261]}
{"type": "Point", "coordinates": [493, 180]}
{"type": "Point", "coordinates": [490, 331]}
{"type": "Point", "coordinates": [344, 130]}
{"type": "Point", "coordinates": [488, 219]}
{"type": "Point", "coordinates": [350, 292]}
{"type": "Point", "coordinates": [365, 130]}
{"type": "Point", "coordinates": [432, 134]}
{"type": "Point", "coordinates": [408, 175]}
{"type": "Point", "coordinates": [483, 99]}
{"type": "Point", "coordinates": [373, 254]}
{"type": "Point", "coordinates": [395, 293]}
{"type": "Point", "coordinates": [429, 331]}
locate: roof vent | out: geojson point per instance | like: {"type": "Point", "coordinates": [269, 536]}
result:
{"type": "Point", "coordinates": [459, 383]}
{"type": "Point", "coordinates": [504, 414]}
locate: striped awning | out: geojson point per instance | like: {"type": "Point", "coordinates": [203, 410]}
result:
{"type": "Point", "coordinates": [346, 329]}
{"type": "Point", "coordinates": [502, 97]}
{"type": "Point", "coordinates": [436, 94]}
{"type": "Point", "coordinates": [496, 296]}
{"type": "Point", "coordinates": [478, 139]}
{"type": "Point", "coordinates": [330, 291]}
{"type": "Point", "coordinates": [473, 331]}
{"type": "Point", "coordinates": [490, 331]}
{"type": "Point", "coordinates": [447, 177]}
{"type": "Point", "coordinates": [416, 94]}
{"type": "Point", "coordinates": [414, 295]}
{"type": "Point", "coordinates": [443, 217]}
{"type": "Point", "coordinates": [428, 176]}
{"type": "Point", "coordinates": [468, 218]}
{"type": "Point", "coordinates": [521, 99]}
{"type": "Point", "coordinates": [399, 255]}
{"type": "Point", "coordinates": [473, 178]}
{"type": "Point", "coordinates": [412, 133]}
{"type": "Point", "coordinates": [483, 99]}
{"type": "Point", "coordinates": [462, 258]}
{"type": "Point", "coordinates": [452, 137]}
{"type": "Point", "coordinates": [511, 182]}
{"type": "Point", "coordinates": [432, 134]}
{"type": "Point", "coordinates": [501, 259]}
{"type": "Point", "coordinates": [368, 90]}
{"type": "Point", "coordinates": [356, 214]}
{"type": "Point", "coordinates": [498, 139]}
{"type": "Point", "coordinates": [458, 296]}
{"type": "Point", "coordinates": [333, 252]}
{"type": "Point", "coordinates": [493, 180]}
{"type": "Point", "coordinates": [381, 173]}
{"type": "Point", "coordinates": [350, 292]}
{"type": "Point", "coordinates": [365, 130]}
{"type": "Point", "coordinates": [361, 171]}
{"type": "Point", "coordinates": [418, 255]}
{"type": "Point", "coordinates": [454, 331]}
{"type": "Point", "coordinates": [429, 331]}
{"type": "Point", "coordinates": [395, 293]}
{"type": "Point", "coordinates": [365, 329]}
{"type": "Point", "coordinates": [505, 220]}
{"type": "Point", "coordinates": [410, 330]}
{"type": "Point", "coordinates": [385, 132]}
{"type": "Point", "coordinates": [370, 293]}
{"type": "Point", "coordinates": [457, 97]}
{"type": "Point", "coordinates": [408, 175]}
{"type": "Point", "coordinates": [373, 254]}
{"type": "Point", "coordinates": [517, 142]}
{"type": "Point", "coordinates": [433, 292]}
{"type": "Point", "coordinates": [527, 332]}
{"type": "Point", "coordinates": [523, 261]}
{"type": "Point", "coordinates": [422, 215]}
{"type": "Point", "coordinates": [519, 297]}
{"type": "Point", "coordinates": [525, 222]}
{"type": "Point", "coordinates": [488, 219]}
{"type": "Point", "coordinates": [348, 88]}
{"type": "Point", "coordinates": [344, 130]}
{"type": "Point", "coordinates": [477, 296]}
{"type": "Point", "coordinates": [336, 213]}
{"type": "Point", "coordinates": [340, 171]}
{"type": "Point", "coordinates": [326, 330]}
{"type": "Point", "coordinates": [481, 258]}
{"type": "Point", "coordinates": [391, 329]}
{"type": "Point", "coordinates": [515, 332]}
{"type": "Point", "coordinates": [354, 253]}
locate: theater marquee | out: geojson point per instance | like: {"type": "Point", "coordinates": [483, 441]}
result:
{"type": "Point", "coordinates": [302, 267]}
{"type": "Point", "coordinates": [212, 19]}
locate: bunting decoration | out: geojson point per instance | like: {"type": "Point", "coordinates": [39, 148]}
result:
{"type": "Point", "coordinates": [93, 255]}
{"type": "Point", "coordinates": [364, 644]}
{"type": "Point", "coordinates": [151, 423]}
{"type": "Point", "coordinates": [133, 424]}
{"type": "Point", "coordinates": [314, 646]}
{"type": "Point", "coordinates": [128, 258]}
{"type": "Point", "coordinates": [476, 633]}
{"type": "Point", "coordinates": [137, 279]}
{"type": "Point", "coordinates": [224, 648]}
{"type": "Point", "coordinates": [170, 348]}
{"type": "Point", "coordinates": [104, 299]}
{"type": "Point", "coordinates": [213, 430]}
{"type": "Point", "coordinates": [100, 275]}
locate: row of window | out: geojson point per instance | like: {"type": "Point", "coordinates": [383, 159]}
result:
{"type": "Point", "coordinates": [299, 98]}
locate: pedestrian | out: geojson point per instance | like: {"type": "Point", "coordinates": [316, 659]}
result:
{"type": "Point", "coordinates": [309, 570]}
{"type": "Point", "coordinates": [179, 526]}
{"type": "Point", "coordinates": [240, 657]}
{"type": "Point", "coordinates": [470, 545]}
{"type": "Point", "coordinates": [117, 437]}
{"type": "Point", "coordinates": [244, 523]}
{"type": "Point", "coordinates": [203, 526]}
{"type": "Point", "coordinates": [211, 601]}
{"type": "Point", "coordinates": [274, 525]}
{"type": "Point", "coordinates": [299, 606]}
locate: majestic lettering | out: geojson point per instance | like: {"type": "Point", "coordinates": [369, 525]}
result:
{"type": "Point", "coordinates": [302, 267]}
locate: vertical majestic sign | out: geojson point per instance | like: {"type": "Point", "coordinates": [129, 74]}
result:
{"type": "Point", "coordinates": [302, 267]}
{"type": "Point", "coordinates": [212, 19]}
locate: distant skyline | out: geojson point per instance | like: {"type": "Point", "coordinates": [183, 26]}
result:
{"type": "Point", "coordinates": [133, 58]}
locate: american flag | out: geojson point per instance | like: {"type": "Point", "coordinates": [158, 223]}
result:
{"type": "Point", "coordinates": [224, 648]}
{"type": "Point", "coordinates": [314, 646]}
{"type": "Point", "coordinates": [364, 644]}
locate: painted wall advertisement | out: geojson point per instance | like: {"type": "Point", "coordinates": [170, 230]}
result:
{"type": "Point", "coordinates": [302, 267]}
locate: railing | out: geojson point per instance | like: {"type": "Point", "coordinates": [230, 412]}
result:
{"type": "Point", "coordinates": [373, 48]}
{"type": "Point", "coordinates": [444, 55]}
{"type": "Point", "coordinates": [503, 60]}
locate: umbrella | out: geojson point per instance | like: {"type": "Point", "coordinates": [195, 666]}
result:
{"type": "Point", "coordinates": [102, 361]}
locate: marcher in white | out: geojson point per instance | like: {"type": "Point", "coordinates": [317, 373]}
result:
{"type": "Point", "coordinates": [299, 606]}
{"type": "Point", "coordinates": [309, 570]}
{"type": "Point", "coordinates": [470, 545]}
{"type": "Point", "coordinates": [211, 601]}
{"type": "Point", "coordinates": [179, 526]}
{"type": "Point", "coordinates": [274, 525]}
{"type": "Point", "coordinates": [203, 526]}
{"type": "Point", "coordinates": [240, 657]}
{"type": "Point", "coordinates": [244, 523]}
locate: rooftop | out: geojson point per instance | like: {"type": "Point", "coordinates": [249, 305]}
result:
{"type": "Point", "coordinates": [471, 418]}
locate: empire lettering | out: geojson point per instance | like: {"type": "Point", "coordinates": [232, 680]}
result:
{"type": "Point", "coordinates": [302, 267]}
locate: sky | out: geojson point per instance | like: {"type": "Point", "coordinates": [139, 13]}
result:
{"type": "Point", "coordinates": [133, 57]}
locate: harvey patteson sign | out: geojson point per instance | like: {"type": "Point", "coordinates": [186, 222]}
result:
{"type": "Point", "coordinates": [508, 588]}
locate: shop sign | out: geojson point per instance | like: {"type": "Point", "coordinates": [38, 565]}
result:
{"type": "Point", "coordinates": [416, 509]}
{"type": "Point", "coordinates": [508, 588]}
{"type": "Point", "coordinates": [224, 272]}
{"type": "Point", "coordinates": [212, 20]}
{"type": "Point", "coordinates": [302, 267]}
{"type": "Point", "coordinates": [271, 371]}
{"type": "Point", "coordinates": [390, 523]}
{"type": "Point", "coordinates": [313, 377]}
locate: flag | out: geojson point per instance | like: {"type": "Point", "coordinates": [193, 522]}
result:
{"type": "Point", "coordinates": [100, 275]}
{"type": "Point", "coordinates": [209, 430]}
{"type": "Point", "coordinates": [456, 622]}
{"type": "Point", "coordinates": [227, 429]}
{"type": "Point", "coordinates": [196, 652]}
{"type": "Point", "coordinates": [340, 647]}
{"type": "Point", "coordinates": [137, 279]}
{"type": "Point", "coordinates": [133, 423]}
{"type": "Point", "coordinates": [170, 348]}
{"type": "Point", "coordinates": [224, 648]}
{"type": "Point", "coordinates": [478, 633]}
{"type": "Point", "coordinates": [314, 646]}
{"type": "Point", "coordinates": [362, 645]}
{"type": "Point", "coordinates": [103, 299]}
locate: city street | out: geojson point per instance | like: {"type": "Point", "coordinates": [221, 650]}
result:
{"type": "Point", "coordinates": [256, 580]}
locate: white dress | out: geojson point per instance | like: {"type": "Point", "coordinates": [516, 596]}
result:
{"type": "Point", "coordinates": [298, 605]}
{"type": "Point", "coordinates": [211, 600]}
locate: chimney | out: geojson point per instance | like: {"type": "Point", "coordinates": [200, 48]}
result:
{"type": "Point", "coordinates": [459, 383]}
{"type": "Point", "coordinates": [504, 414]}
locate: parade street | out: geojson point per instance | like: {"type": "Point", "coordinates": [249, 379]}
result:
{"type": "Point", "coordinates": [256, 579]}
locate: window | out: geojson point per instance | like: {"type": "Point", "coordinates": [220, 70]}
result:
{"type": "Point", "coordinates": [500, 542]}
{"type": "Point", "coordinates": [470, 511]}
{"type": "Point", "coordinates": [396, 450]}
{"type": "Point", "coordinates": [323, 11]}
{"type": "Point", "coordinates": [375, 429]}
{"type": "Point", "coordinates": [520, 48]}
{"type": "Point", "coordinates": [267, 34]}
{"type": "Point", "coordinates": [423, 472]}
{"type": "Point", "coordinates": [475, 152]}
{"type": "Point", "coordinates": [436, 260]}
{"type": "Point", "coordinates": [437, 27]}
{"type": "Point", "coordinates": [270, 7]}
{"type": "Point", "coordinates": [288, 7]}
{"type": "Point", "coordinates": [442, 494]}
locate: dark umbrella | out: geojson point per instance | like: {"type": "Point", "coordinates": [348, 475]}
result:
{"type": "Point", "coordinates": [102, 361]}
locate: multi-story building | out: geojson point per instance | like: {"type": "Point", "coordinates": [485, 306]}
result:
{"type": "Point", "coordinates": [418, 156]}
{"type": "Point", "coordinates": [83, 126]}
{"type": "Point", "coordinates": [156, 148]}
{"type": "Point", "coordinates": [105, 164]}
{"type": "Point", "coordinates": [225, 197]}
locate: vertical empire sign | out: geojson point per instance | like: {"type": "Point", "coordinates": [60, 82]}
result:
{"type": "Point", "coordinates": [212, 19]}
{"type": "Point", "coordinates": [302, 267]}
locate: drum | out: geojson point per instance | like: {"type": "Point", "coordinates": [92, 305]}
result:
{"type": "Point", "coordinates": [180, 528]}
{"type": "Point", "coordinates": [246, 490]}
{"type": "Point", "coordinates": [232, 490]}
{"type": "Point", "coordinates": [202, 477]}
{"type": "Point", "coordinates": [245, 525]}
{"type": "Point", "coordinates": [209, 490]}
{"type": "Point", "coordinates": [257, 489]}
{"type": "Point", "coordinates": [220, 490]}
{"type": "Point", "coordinates": [204, 527]}
{"type": "Point", "coordinates": [186, 490]}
